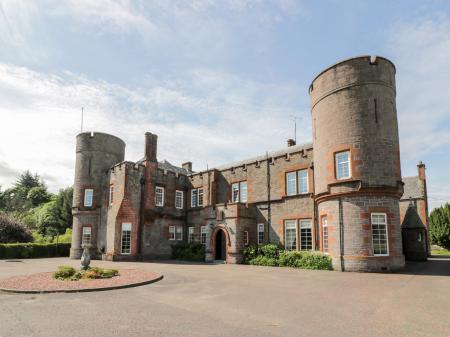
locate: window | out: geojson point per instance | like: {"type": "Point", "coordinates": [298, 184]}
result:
{"type": "Point", "coordinates": [379, 234]}
{"type": "Point", "coordinates": [179, 199]}
{"type": "Point", "coordinates": [305, 234]}
{"type": "Point", "coordinates": [194, 198]}
{"type": "Point", "coordinates": [243, 191]}
{"type": "Point", "coordinates": [200, 197]}
{"type": "Point", "coordinates": [325, 234]}
{"type": "Point", "coordinates": [291, 183]}
{"type": "Point", "coordinates": [111, 194]}
{"type": "Point", "coordinates": [260, 233]}
{"type": "Point", "coordinates": [245, 238]}
{"type": "Point", "coordinates": [191, 234]}
{"type": "Point", "coordinates": [290, 234]}
{"type": "Point", "coordinates": [235, 192]}
{"type": "Point", "coordinates": [203, 235]}
{"type": "Point", "coordinates": [342, 165]}
{"type": "Point", "coordinates": [179, 233]}
{"type": "Point", "coordinates": [302, 181]}
{"type": "Point", "coordinates": [126, 239]}
{"type": "Point", "coordinates": [159, 196]}
{"type": "Point", "coordinates": [87, 236]}
{"type": "Point", "coordinates": [88, 197]}
{"type": "Point", "coordinates": [171, 232]}
{"type": "Point", "coordinates": [239, 192]}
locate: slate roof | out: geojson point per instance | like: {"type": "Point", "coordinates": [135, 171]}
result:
{"type": "Point", "coordinates": [412, 219]}
{"type": "Point", "coordinates": [165, 165]}
{"type": "Point", "coordinates": [411, 188]}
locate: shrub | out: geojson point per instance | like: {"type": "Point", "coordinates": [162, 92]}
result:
{"type": "Point", "coordinates": [188, 252]}
{"type": "Point", "coordinates": [290, 258]}
{"type": "Point", "coordinates": [264, 261]}
{"type": "Point", "coordinates": [64, 272]}
{"type": "Point", "coordinates": [440, 226]}
{"type": "Point", "coordinates": [33, 250]}
{"type": "Point", "coordinates": [250, 253]}
{"type": "Point", "coordinates": [270, 250]}
{"type": "Point", "coordinates": [12, 230]}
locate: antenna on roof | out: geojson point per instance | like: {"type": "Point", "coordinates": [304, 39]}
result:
{"type": "Point", "coordinates": [82, 118]}
{"type": "Point", "coordinates": [294, 119]}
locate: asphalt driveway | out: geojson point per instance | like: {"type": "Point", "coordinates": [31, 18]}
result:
{"type": "Point", "coordinates": [236, 300]}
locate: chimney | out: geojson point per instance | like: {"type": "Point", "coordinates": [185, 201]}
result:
{"type": "Point", "coordinates": [151, 142]}
{"type": "Point", "coordinates": [187, 166]}
{"type": "Point", "coordinates": [290, 142]}
{"type": "Point", "coordinates": [421, 170]}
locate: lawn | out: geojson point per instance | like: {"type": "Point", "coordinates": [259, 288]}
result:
{"type": "Point", "coordinates": [440, 252]}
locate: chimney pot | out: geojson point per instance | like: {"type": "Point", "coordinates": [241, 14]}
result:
{"type": "Point", "coordinates": [421, 170]}
{"type": "Point", "coordinates": [290, 142]}
{"type": "Point", "coordinates": [151, 142]}
{"type": "Point", "coordinates": [187, 166]}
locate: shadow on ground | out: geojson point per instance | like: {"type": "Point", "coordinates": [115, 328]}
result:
{"type": "Point", "coordinates": [435, 266]}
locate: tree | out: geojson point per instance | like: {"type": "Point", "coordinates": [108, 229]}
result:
{"type": "Point", "coordinates": [440, 226]}
{"type": "Point", "coordinates": [12, 231]}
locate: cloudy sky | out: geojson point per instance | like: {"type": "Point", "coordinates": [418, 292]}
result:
{"type": "Point", "coordinates": [218, 81]}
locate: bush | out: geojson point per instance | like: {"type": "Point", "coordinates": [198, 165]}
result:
{"type": "Point", "coordinates": [64, 272]}
{"type": "Point", "coordinates": [33, 250]}
{"type": "Point", "coordinates": [264, 261]}
{"type": "Point", "coordinates": [270, 251]}
{"type": "Point", "coordinates": [440, 226]}
{"type": "Point", "coordinates": [12, 230]}
{"type": "Point", "coordinates": [188, 252]}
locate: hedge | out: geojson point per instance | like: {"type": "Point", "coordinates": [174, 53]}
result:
{"type": "Point", "coordinates": [188, 252]}
{"type": "Point", "coordinates": [33, 250]}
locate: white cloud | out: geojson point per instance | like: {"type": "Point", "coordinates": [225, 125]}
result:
{"type": "Point", "coordinates": [204, 117]}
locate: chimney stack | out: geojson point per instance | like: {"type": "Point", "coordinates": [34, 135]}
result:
{"type": "Point", "coordinates": [187, 166]}
{"type": "Point", "coordinates": [291, 142]}
{"type": "Point", "coordinates": [421, 170]}
{"type": "Point", "coordinates": [151, 142]}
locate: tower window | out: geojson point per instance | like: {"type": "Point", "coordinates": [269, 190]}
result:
{"type": "Point", "coordinates": [87, 236]}
{"type": "Point", "coordinates": [159, 196]}
{"type": "Point", "coordinates": [126, 239]}
{"type": "Point", "coordinates": [342, 163]}
{"type": "Point", "coordinates": [325, 234]}
{"type": "Point", "coordinates": [88, 197]}
{"type": "Point", "coordinates": [290, 234]}
{"type": "Point", "coordinates": [305, 234]}
{"type": "Point", "coordinates": [379, 234]}
{"type": "Point", "coordinates": [179, 199]}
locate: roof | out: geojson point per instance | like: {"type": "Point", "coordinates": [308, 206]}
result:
{"type": "Point", "coordinates": [412, 219]}
{"type": "Point", "coordinates": [411, 188]}
{"type": "Point", "coordinates": [165, 165]}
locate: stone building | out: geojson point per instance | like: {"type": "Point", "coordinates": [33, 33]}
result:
{"type": "Point", "coordinates": [339, 194]}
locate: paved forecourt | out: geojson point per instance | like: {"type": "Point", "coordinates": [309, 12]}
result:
{"type": "Point", "coordinates": [236, 300]}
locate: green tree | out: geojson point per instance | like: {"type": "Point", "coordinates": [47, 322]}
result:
{"type": "Point", "coordinates": [440, 226]}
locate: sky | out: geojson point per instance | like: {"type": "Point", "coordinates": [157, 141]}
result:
{"type": "Point", "coordinates": [218, 81]}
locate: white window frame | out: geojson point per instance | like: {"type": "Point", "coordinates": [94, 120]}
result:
{"type": "Point", "coordinates": [126, 228]}
{"type": "Point", "coordinates": [235, 196]}
{"type": "Point", "coordinates": [243, 196]}
{"type": "Point", "coordinates": [292, 226]}
{"type": "Point", "coordinates": [299, 181]}
{"type": "Point", "coordinates": [200, 196]}
{"type": "Point", "coordinates": [305, 224]}
{"type": "Point", "coordinates": [325, 236]}
{"type": "Point", "coordinates": [291, 181]}
{"type": "Point", "coordinates": [179, 233]}
{"type": "Point", "coordinates": [203, 235]}
{"type": "Point", "coordinates": [161, 191]}
{"type": "Point", "coordinates": [84, 234]}
{"type": "Point", "coordinates": [88, 197]}
{"type": "Point", "coordinates": [261, 231]}
{"type": "Point", "coordinates": [172, 233]}
{"type": "Point", "coordinates": [111, 194]}
{"type": "Point", "coordinates": [194, 198]}
{"type": "Point", "coordinates": [347, 162]}
{"type": "Point", "coordinates": [245, 238]}
{"type": "Point", "coordinates": [385, 233]}
{"type": "Point", "coordinates": [191, 235]}
{"type": "Point", "coordinates": [179, 196]}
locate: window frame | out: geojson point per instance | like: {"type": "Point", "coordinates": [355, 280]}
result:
{"type": "Point", "coordinates": [235, 198]}
{"type": "Point", "coordinates": [203, 231]}
{"type": "Point", "coordinates": [295, 227]}
{"type": "Point", "coordinates": [200, 189]}
{"type": "Point", "coordinates": [162, 189]}
{"type": "Point", "coordinates": [111, 194]}
{"type": "Point", "coordinates": [83, 234]}
{"type": "Point", "coordinates": [294, 174]}
{"type": "Point", "coordinates": [181, 199]}
{"type": "Point", "coordinates": [85, 203]}
{"type": "Point", "coordinates": [191, 234]}
{"type": "Point", "coordinates": [300, 221]}
{"type": "Point", "coordinates": [324, 225]}
{"type": "Point", "coordinates": [299, 181]}
{"type": "Point", "coordinates": [122, 252]}
{"type": "Point", "coordinates": [336, 165]}
{"type": "Point", "coordinates": [246, 239]}
{"type": "Point", "coordinates": [194, 197]}
{"type": "Point", "coordinates": [241, 198]}
{"type": "Point", "coordinates": [179, 233]}
{"type": "Point", "coordinates": [261, 240]}
{"type": "Point", "coordinates": [172, 233]}
{"type": "Point", "coordinates": [386, 233]}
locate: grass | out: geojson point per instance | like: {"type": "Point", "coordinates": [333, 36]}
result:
{"type": "Point", "coordinates": [440, 252]}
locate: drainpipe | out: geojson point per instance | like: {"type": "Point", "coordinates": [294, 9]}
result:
{"type": "Point", "coordinates": [141, 218]}
{"type": "Point", "coordinates": [341, 235]}
{"type": "Point", "coordinates": [269, 210]}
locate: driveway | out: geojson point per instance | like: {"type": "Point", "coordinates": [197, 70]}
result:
{"type": "Point", "coordinates": [236, 300]}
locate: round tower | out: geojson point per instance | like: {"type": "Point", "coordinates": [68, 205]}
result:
{"type": "Point", "coordinates": [95, 154]}
{"type": "Point", "coordinates": [357, 176]}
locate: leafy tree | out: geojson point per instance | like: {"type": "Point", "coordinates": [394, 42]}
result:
{"type": "Point", "coordinates": [12, 231]}
{"type": "Point", "coordinates": [38, 195]}
{"type": "Point", "coordinates": [440, 226]}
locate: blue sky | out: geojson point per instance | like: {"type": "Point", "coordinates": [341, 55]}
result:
{"type": "Point", "coordinates": [218, 81]}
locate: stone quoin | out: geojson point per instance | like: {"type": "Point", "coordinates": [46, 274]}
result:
{"type": "Point", "coordinates": [342, 194]}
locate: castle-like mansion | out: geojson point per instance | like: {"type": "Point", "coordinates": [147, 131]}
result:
{"type": "Point", "coordinates": [342, 194]}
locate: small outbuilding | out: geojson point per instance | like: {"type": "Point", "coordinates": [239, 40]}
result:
{"type": "Point", "coordinates": [415, 236]}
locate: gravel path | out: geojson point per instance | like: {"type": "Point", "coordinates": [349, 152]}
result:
{"type": "Point", "coordinates": [44, 282]}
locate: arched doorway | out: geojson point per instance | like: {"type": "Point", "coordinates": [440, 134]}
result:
{"type": "Point", "coordinates": [220, 246]}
